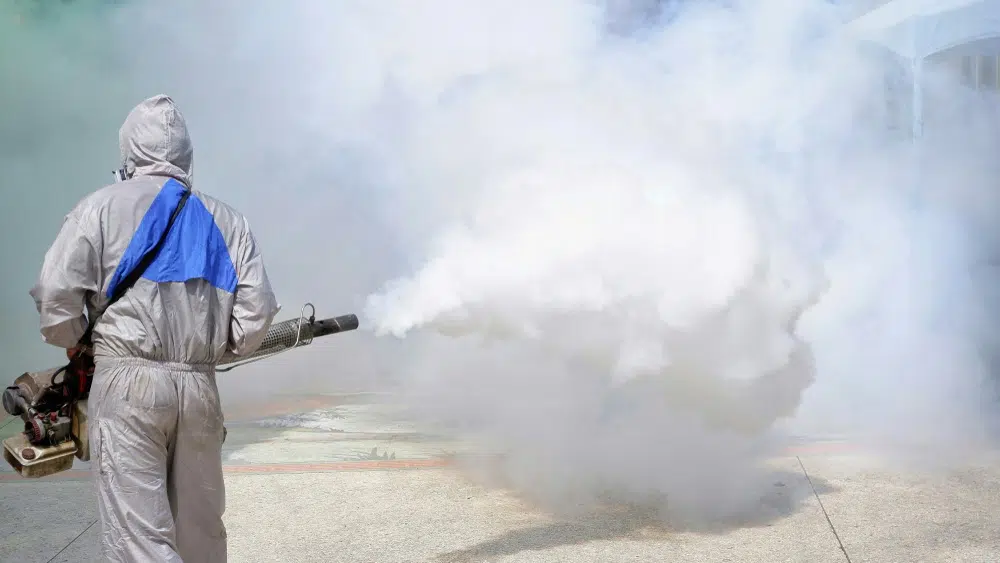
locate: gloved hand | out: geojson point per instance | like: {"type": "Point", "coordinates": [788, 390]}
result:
{"type": "Point", "coordinates": [79, 351]}
{"type": "Point", "coordinates": [80, 370]}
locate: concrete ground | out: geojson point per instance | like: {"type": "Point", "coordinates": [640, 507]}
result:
{"type": "Point", "coordinates": [352, 483]}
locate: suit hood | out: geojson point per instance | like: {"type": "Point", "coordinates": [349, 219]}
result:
{"type": "Point", "coordinates": [154, 141]}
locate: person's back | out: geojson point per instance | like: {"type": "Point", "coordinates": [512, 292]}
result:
{"type": "Point", "coordinates": [156, 422]}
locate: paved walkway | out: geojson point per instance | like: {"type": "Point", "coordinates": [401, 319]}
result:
{"type": "Point", "coordinates": [374, 490]}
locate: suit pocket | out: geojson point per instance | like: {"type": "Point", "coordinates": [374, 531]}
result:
{"type": "Point", "coordinates": [98, 447]}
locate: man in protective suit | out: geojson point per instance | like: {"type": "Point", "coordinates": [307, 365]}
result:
{"type": "Point", "coordinates": [156, 425]}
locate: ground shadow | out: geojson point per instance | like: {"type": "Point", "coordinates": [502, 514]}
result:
{"type": "Point", "coordinates": [644, 521]}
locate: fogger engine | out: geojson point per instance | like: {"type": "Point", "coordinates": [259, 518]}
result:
{"type": "Point", "coordinates": [53, 403]}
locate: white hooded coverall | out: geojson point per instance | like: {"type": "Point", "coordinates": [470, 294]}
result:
{"type": "Point", "coordinates": [156, 425]}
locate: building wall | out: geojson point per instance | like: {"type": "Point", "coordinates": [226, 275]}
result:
{"type": "Point", "coordinates": [977, 71]}
{"type": "Point", "coordinates": [980, 72]}
{"type": "Point", "coordinates": [960, 88]}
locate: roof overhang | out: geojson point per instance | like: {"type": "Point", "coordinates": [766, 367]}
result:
{"type": "Point", "coordinates": [917, 29]}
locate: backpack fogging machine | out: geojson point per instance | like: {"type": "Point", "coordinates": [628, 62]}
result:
{"type": "Point", "coordinates": [53, 403]}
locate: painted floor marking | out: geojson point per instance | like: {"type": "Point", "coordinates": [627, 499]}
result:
{"type": "Point", "coordinates": [374, 465]}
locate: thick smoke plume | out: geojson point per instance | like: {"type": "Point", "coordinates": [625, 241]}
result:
{"type": "Point", "coordinates": [622, 242]}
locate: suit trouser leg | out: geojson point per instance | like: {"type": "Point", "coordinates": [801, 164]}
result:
{"type": "Point", "coordinates": [131, 427]}
{"type": "Point", "coordinates": [196, 487]}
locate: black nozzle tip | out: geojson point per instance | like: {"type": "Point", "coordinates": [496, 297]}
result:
{"type": "Point", "coordinates": [348, 322]}
{"type": "Point", "coordinates": [334, 325]}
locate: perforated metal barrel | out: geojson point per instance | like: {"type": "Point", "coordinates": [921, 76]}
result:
{"type": "Point", "coordinates": [282, 336]}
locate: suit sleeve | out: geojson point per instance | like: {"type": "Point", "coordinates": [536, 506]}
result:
{"type": "Point", "coordinates": [70, 273]}
{"type": "Point", "coordinates": [255, 306]}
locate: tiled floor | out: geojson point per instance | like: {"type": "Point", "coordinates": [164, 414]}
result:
{"type": "Point", "coordinates": [375, 492]}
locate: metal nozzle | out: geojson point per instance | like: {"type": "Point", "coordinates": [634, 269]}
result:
{"type": "Point", "coordinates": [292, 333]}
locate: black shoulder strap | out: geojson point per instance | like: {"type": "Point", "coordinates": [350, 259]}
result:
{"type": "Point", "coordinates": [139, 269]}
